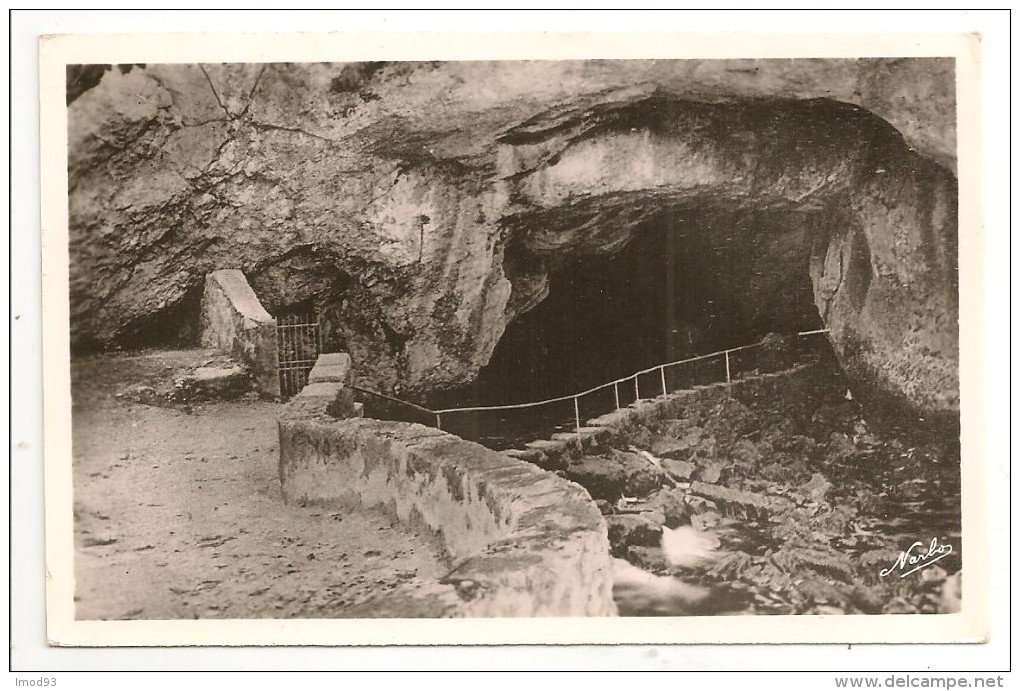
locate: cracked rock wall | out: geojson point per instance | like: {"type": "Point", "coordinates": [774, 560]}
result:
{"type": "Point", "coordinates": [418, 205]}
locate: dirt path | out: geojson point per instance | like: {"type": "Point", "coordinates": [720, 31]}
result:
{"type": "Point", "coordinates": [178, 513]}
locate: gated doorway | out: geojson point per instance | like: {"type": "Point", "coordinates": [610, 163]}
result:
{"type": "Point", "coordinates": [298, 342]}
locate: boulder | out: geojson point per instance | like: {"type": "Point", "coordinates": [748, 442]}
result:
{"type": "Point", "coordinates": [611, 477]}
{"type": "Point", "coordinates": [628, 530]}
{"type": "Point", "coordinates": [680, 470]}
{"type": "Point", "coordinates": [212, 383]}
{"type": "Point", "coordinates": [684, 447]}
{"type": "Point", "coordinates": [672, 503]}
{"type": "Point", "coordinates": [710, 470]}
{"type": "Point", "coordinates": [816, 489]}
{"type": "Point", "coordinates": [744, 452]}
{"type": "Point", "coordinates": [649, 558]}
{"type": "Point", "coordinates": [677, 428]}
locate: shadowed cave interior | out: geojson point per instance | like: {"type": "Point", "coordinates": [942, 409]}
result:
{"type": "Point", "coordinates": [690, 281]}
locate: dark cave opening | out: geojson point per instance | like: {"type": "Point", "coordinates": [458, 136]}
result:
{"type": "Point", "coordinates": [177, 325]}
{"type": "Point", "coordinates": [690, 281]}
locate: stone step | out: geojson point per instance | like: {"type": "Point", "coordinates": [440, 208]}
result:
{"type": "Point", "coordinates": [331, 367]}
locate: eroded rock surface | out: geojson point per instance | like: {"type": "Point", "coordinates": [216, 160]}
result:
{"type": "Point", "coordinates": [421, 206]}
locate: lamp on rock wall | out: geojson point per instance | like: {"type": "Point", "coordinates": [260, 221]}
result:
{"type": "Point", "coordinates": [423, 221]}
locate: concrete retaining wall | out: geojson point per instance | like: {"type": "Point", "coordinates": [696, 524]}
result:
{"type": "Point", "coordinates": [522, 541]}
{"type": "Point", "coordinates": [234, 321]}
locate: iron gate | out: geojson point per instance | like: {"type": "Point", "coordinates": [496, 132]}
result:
{"type": "Point", "coordinates": [298, 343]}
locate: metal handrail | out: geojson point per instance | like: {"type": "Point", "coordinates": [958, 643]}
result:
{"type": "Point", "coordinates": [559, 399]}
{"type": "Point", "coordinates": [395, 400]}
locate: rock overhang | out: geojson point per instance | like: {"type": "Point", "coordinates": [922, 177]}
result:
{"type": "Point", "coordinates": [510, 155]}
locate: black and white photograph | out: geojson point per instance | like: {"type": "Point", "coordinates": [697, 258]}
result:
{"type": "Point", "coordinates": [613, 340]}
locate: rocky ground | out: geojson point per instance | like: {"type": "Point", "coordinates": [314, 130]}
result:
{"type": "Point", "coordinates": [781, 499]}
{"type": "Point", "coordinates": [178, 512]}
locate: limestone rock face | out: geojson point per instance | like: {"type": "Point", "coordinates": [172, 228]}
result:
{"type": "Point", "coordinates": [421, 206]}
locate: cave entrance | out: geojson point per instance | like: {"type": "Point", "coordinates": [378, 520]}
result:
{"type": "Point", "coordinates": [689, 281]}
{"type": "Point", "coordinates": [686, 282]}
{"type": "Point", "coordinates": [178, 325]}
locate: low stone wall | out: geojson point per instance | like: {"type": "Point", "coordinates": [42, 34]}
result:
{"type": "Point", "coordinates": [521, 541]}
{"type": "Point", "coordinates": [602, 432]}
{"type": "Point", "coordinates": [234, 321]}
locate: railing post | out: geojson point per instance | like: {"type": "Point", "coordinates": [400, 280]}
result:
{"type": "Point", "coordinates": [287, 340]}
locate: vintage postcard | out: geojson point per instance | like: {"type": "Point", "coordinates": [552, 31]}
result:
{"type": "Point", "coordinates": [517, 339]}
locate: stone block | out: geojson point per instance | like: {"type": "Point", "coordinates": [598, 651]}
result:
{"type": "Point", "coordinates": [235, 322]}
{"type": "Point", "coordinates": [334, 359]}
{"type": "Point", "coordinates": [323, 390]}
{"type": "Point", "coordinates": [332, 367]}
{"type": "Point", "coordinates": [213, 383]}
{"type": "Point", "coordinates": [631, 530]}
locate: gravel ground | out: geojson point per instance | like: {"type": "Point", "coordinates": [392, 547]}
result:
{"type": "Point", "coordinates": [178, 513]}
